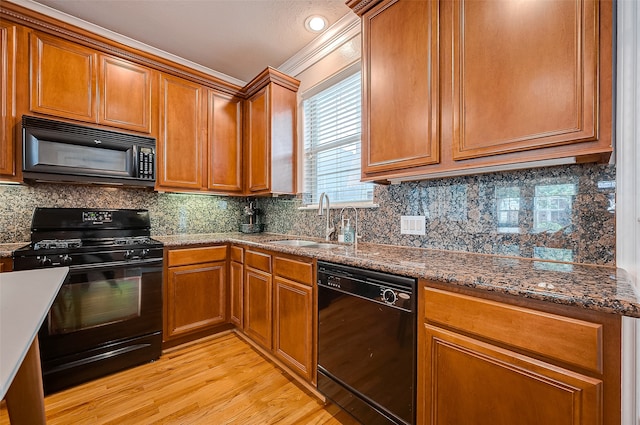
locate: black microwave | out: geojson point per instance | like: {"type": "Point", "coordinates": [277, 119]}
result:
{"type": "Point", "coordinates": [61, 151]}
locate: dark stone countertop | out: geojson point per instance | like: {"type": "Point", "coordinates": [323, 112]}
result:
{"type": "Point", "coordinates": [599, 288]}
{"type": "Point", "coordinates": [605, 289]}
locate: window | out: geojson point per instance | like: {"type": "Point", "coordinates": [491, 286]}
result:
{"type": "Point", "coordinates": [332, 127]}
{"type": "Point", "coordinates": [508, 209]}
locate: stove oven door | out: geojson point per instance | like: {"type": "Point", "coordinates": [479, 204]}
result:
{"type": "Point", "coordinates": [105, 318]}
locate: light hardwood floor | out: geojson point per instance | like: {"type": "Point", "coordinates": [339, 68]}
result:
{"type": "Point", "coordinates": [216, 381]}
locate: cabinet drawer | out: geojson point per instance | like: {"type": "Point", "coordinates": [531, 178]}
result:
{"type": "Point", "coordinates": [568, 340]}
{"type": "Point", "coordinates": [258, 260]}
{"type": "Point", "coordinates": [237, 253]}
{"type": "Point", "coordinates": [181, 257]}
{"type": "Point", "coordinates": [299, 271]}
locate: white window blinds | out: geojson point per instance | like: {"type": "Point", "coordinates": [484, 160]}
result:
{"type": "Point", "coordinates": [332, 127]}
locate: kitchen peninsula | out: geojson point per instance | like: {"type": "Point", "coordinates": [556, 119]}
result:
{"type": "Point", "coordinates": [25, 299]}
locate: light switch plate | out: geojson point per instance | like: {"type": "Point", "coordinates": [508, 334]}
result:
{"type": "Point", "coordinates": [412, 225]}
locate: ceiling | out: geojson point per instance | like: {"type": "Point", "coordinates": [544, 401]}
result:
{"type": "Point", "coordinates": [238, 38]}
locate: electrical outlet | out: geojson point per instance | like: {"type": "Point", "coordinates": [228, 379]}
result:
{"type": "Point", "coordinates": [412, 225]}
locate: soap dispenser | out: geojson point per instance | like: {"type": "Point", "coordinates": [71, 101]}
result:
{"type": "Point", "coordinates": [341, 234]}
{"type": "Point", "coordinates": [349, 233]}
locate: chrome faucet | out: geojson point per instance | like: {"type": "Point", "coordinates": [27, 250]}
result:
{"type": "Point", "coordinates": [355, 236]}
{"type": "Point", "coordinates": [328, 231]}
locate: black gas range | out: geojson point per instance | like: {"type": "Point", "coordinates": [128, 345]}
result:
{"type": "Point", "coordinates": [108, 313]}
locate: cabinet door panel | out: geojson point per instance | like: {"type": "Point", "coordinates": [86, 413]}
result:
{"type": "Point", "coordinates": [258, 157]}
{"type": "Point", "coordinates": [293, 321]}
{"type": "Point", "coordinates": [400, 120]}
{"type": "Point", "coordinates": [258, 307]}
{"type": "Point", "coordinates": [125, 90]}
{"type": "Point", "coordinates": [467, 381]}
{"type": "Point", "coordinates": [196, 297]}
{"type": "Point", "coordinates": [236, 293]}
{"type": "Point", "coordinates": [7, 103]}
{"type": "Point", "coordinates": [225, 143]}
{"type": "Point", "coordinates": [63, 78]}
{"type": "Point", "coordinates": [181, 134]}
{"type": "Point", "coordinates": [525, 75]}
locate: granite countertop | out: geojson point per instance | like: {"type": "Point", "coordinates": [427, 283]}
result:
{"type": "Point", "coordinates": [605, 289]}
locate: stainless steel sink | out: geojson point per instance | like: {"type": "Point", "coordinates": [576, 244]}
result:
{"type": "Point", "coordinates": [306, 244]}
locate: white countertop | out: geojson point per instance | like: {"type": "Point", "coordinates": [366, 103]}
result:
{"type": "Point", "coordinates": [25, 299]}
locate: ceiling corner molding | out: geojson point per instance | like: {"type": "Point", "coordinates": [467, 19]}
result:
{"type": "Point", "coordinates": [127, 41]}
{"type": "Point", "coordinates": [339, 33]}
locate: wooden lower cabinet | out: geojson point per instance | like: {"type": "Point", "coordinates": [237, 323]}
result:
{"type": "Point", "coordinates": [485, 362]}
{"type": "Point", "coordinates": [6, 264]}
{"type": "Point", "coordinates": [195, 291]}
{"type": "Point", "coordinates": [293, 326]}
{"type": "Point", "coordinates": [468, 381]}
{"type": "Point", "coordinates": [236, 286]}
{"type": "Point", "coordinates": [258, 307]}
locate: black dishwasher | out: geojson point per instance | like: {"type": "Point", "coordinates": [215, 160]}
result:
{"type": "Point", "coordinates": [367, 343]}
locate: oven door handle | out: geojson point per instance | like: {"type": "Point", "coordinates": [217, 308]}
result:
{"type": "Point", "coordinates": [117, 264]}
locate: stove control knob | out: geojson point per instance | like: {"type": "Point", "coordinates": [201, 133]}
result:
{"type": "Point", "coordinates": [389, 296]}
{"type": "Point", "coordinates": [45, 261]}
{"type": "Point", "coordinates": [144, 253]}
{"type": "Point", "coordinates": [66, 260]}
{"type": "Point", "coordinates": [128, 254]}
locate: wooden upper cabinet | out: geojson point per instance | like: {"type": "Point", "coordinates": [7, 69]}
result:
{"type": "Point", "coordinates": [7, 98]}
{"type": "Point", "coordinates": [400, 80]}
{"type": "Point", "coordinates": [72, 81]}
{"type": "Point", "coordinates": [181, 140]}
{"type": "Point", "coordinates": [525, 74]}
{"type": "Point", "coordinates": [125, 99]}
{"type": "Point", "coordinates": [270, 134]}
{"type": "Point", "coordinates": [225, 143]}
{"type": "Point", "coordinates": [258, 152]}
{"type": "Point", "coordinates": [455, 87]}
{"type": "Point", "coordinates": [63, 78]}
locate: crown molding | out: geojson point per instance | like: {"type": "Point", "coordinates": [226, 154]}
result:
{"type": "Point", "coordinates": [119, 38]}
{"type": "Point", "coordinates": [336, 35]}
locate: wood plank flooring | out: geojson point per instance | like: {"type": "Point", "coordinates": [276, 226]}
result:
{"type": "Point", "coordinates": [218, 381]}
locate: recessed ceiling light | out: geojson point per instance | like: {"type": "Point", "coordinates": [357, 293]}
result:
{"type": "Point", "coordinates": [315, 23]}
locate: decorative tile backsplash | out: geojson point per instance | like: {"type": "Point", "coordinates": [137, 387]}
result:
{"type": "Point", "coordinates": [561, 213]}
{"type": "Point", "coordinates": [558, 213]}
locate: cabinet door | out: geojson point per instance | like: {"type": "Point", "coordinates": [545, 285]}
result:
{"type": "Point", "coordinates": [125, 95]}
{"type": "Point", "coordinates": [63, 78]}
{"type": "Point", "coordinates": [196, 298]}
{"type": "Point", "coordinates": [293, 326]}
{"type": "Point", "coordinates": [225, 143]}
{"type": "Point", "coordinates": [258, 154]}
{"type": "Point", "coordinates": [400, 80]}
{"type": "Point", "coordinates": [6, 265]}
{"type": "Point", "coordinates": [7, 103]}
{"type": "Point", "coordinates": [462, 380]}
{"type": "Point", "coordinates": [525, 74]}
{"type": "Point", "coordinates": [180, 144]}
{"type": "Point", "coordinates": [258, 307]}
{"type": "Point", "coordinates": [236, 288]}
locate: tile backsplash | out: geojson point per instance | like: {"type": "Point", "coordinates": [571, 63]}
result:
{"type": "Point", "coordinates": [561, 213]}
{"type": "Point", "coordinates": [557, 213]}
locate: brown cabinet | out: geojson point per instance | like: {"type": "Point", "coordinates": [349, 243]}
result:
{"type": "Point", "coordinates": [181, 142]}
{"type": "Point", "coordinates": [455, 87]}
{"type": "Point", "coordinates": [270, 134]}
{"type": "Point", "coordinates": [258, 305]}
{"type": "Point", "coordinates": [69, 80]}
{"type": "Point", "coordinates": [236, 286]}
{"type": "Point", "coordinates": [8, 39]}
{"type": "Point", "coordinates": [6, 265]}
{"type": "Point", "coordinates": [293, 317]}
{"type": "Point", "coordinates": [504, 364]}
{"type": "Point", "coordinates": [195, 290]}
{"type": "Point", "coordinates": [224, 136]}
